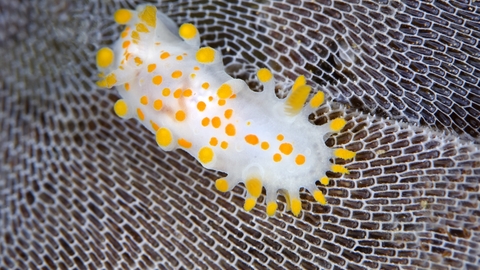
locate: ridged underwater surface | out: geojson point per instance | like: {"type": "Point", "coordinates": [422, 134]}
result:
{"type": "Point", "coordinates": [82, 188]}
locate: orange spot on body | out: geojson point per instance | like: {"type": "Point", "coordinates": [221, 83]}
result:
{"type": "Point", "coordinates": [187, 93]}
{"type": "Point", "coordinates": [230, 130]}
{"type": "Point", "coordinates": [158, 104]}
{"type": "Point", "coordinates": [251, 139]}
{"type": "Point", "coordinates": [154, 125]}
{"type": "Point", "coordinates": [180, 115]}
{"type": "Point", "coordinates": [166, 92]}
{"type": "Point", "coordinates": [286, 148]}
{"type": "Point", "coordinates": [201, 106]}
{"type": "Point", "coordinates": [176, 74]}
{"type": "Point", "coordinates": [144, 100]}
{"type": "Point", "coordinates": [164, 55]}
{"type": "Point", "coordinates": [213, 141]}
{"type": "Point", "coordinates": [265, 145]}
{"type": "Point", "coordinates": [151, 67]}
{"type": "Point", "coordinates": [125, 33]}
{"type": "Point", "coordinates": [177, 93]}
{"type": "Point", "coordinates": [300, 159]}
{"type": "Point", "coordinates": [205, 121]}
{"type": "Point", "coordinates": [277, 157]}
{"type": "Point", "coordinates": [157, 80]}
{"type": "Point", "coordinates": [184, 143]}
{"type": "Point", "coordinates": [140, 114]}
{"type": "Point", "coordinates": [216, 122]}
{"type": "Point", "coordinates": [224, 145]}
{"type": "Point", "coordinates": [228, 113]}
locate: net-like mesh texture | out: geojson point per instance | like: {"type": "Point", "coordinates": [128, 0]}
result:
{"type": "Point", "coordinates": [81, 188]}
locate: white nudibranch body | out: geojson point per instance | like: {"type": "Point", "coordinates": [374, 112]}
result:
{"type": "Point", "coordinates": [182, 94]}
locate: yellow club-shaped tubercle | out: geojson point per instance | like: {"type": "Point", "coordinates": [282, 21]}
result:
{"type": "Point", "coordinates": [149, 15]}
{"type": "Point", "coordinates": [224, 91]}
{"type": "Point", "coordinates": [205, 55]}
{"type": "Point", "coordinates": [102, 83]}
{"type": "Point", "coordinates": [296, 206]}
{"type": "Point", "coordinates": [163, 137]}
{"type": "Point", "coordinates": [324, 180]}
{"type": "Point", "coordinates": [337, 124]}
{"type": "Point", "coordinates": [111, 80]}
{"type": "Point", "coordinates": [120, 108]}
{"type": "Point", "coordinates": [187, 31]}
{"type": "Point", "coordinates": [319, 197]}
{"type": "Point", "coordinates": [249, 204]}
{"type": "Point", "coordinates": [317, 99]}
{"type": "Point", "coordinates": [271, 208]}
{"type": "Point", "coordinates": [122, 16]}
{"type": "Point", "coordinates": [344, 153]}
{"type": "Point", "coordinates": [299, 81]}
{"type": "Point", "coordinates": [142, 28]}
{"type": "Point", "coordinates": [105, 57]}
{"type": "Point", "coordinates": [339, 169]}
{"type": "Point", "coordinates": [205, 155]}
{"type": "Point", "coordinates": [254, 187]}
{"type": "Point", "coordinates": [264, 75]}
{"type": "Point", "coordinates": [222, 184]}
{"type": "Point", "coordinates": [295, 101]}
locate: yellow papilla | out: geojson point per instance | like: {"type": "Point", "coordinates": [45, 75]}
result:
{"type": "Point", "coordinates": [122, 16]}
{"type": "Point", "coordinates": [224, 91]}
{"type": "Point", "coordinates": [271, 208]}
{"type": "Point", "coordinates": [264, 75]}
{"type": "Point", "coordinates": [222, 185]}
{"type": "Point", "coordinates": [102, 83]}
{"type": "Point", "coordinates": [164, 137]}
{"type": "Point", "coordinates": [317, 99]}
{"type": "Point", "coordinates": [296, 206]}
{"type": "Point", "coordinates": [249, 204]}
{"type": "Point", "coordinates": [120, 108]}
{"type": "Point", "coordinates": [339, 169]}
{"type": "Point", "coordinates": [295, 101]}
{"type": "Point", "coordinates": [344, 153]}
{"type": "Point", "coordinates": [205, 155]}
{"type": "Point", "coordinates": [149, 15]}
{"type": "Point", "coordinates": [105, 57]}
{"type": "Point", "coordinates": [299, 81]}
{"type": "Point", "coordinates": [254, 187]}
{"type": "Point", "coordinates": [205, 55]}
{"type": "Point", "coordinates": [187, 31]}
{"type": "Point", "coordinates": [337, 124]}
{"type": "Point", "coordinates": [142, 28]}
{"type": "Point", "coordinates": [110, 80]}
{"type": "Point", "coordinates": [319, 197]}
{"type": "Point", "coordinates": [324, 180]}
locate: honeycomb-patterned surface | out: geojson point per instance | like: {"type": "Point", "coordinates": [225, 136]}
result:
{"type": "Point", "coordinates": [82, 189]}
